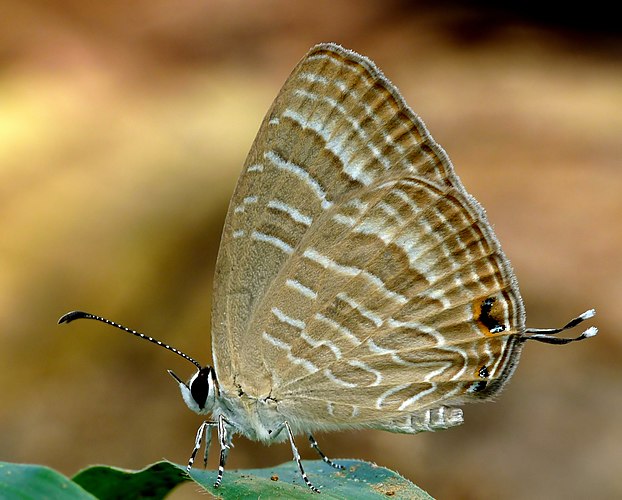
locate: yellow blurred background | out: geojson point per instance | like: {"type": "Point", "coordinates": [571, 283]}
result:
{"type": "Point", "coordinates": [123, 127]}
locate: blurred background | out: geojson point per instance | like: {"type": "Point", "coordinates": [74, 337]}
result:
{"type": "Point", "coordinates": [123, 128]}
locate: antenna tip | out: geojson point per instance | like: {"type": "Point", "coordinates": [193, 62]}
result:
{"type": "Point", "coordinates": [70, 316]}
{"type": "Point", "coordinates": [588, 314]}
{"type": "Point", "coordinates": [590, 332]}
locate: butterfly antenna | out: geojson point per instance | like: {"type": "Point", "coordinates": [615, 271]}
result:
{"type": "Point", "coordinates": [73, 315]}
{"type": "Point", "coordinates": [546, 335]}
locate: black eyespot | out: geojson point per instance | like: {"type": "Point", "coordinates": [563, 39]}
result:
{"type": "Point", "coordinates": [200, 385]}
{"type": "Point", "coordinates": [486, 318]}
{"type": "Point", "coordinates": [480, 385]}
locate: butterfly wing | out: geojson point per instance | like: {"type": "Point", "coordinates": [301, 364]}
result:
{"type": "Point", "coordinates": [356, 275]}
{"type": "Point", "coordinates": [411, 309]}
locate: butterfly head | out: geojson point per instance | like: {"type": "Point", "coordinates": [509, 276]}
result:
{"type": "Point", "coordinates": [199, 393]}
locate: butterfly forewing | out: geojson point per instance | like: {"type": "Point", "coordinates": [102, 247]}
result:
{"type": "Point", "coordinates": [356, 278]}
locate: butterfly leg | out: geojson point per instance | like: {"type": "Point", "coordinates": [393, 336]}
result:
{"type": "Point", "coordinates": [225, 444]}
{"type": "Point", "coordinates": [324, 457]}
{"type": "Point", "coordinates": [208, 443]}
{"type": "Point", "coordinates": [277, 431]}
{"type": "Point", "coordinates": [203, 429]}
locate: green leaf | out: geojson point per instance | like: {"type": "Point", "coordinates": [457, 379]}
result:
{"type": "Point", "coordinates": [35, 482]}
{"type": "Point", "coordinates": [360, 480]}
{"type": "Point", "coordinates": [153, 482]}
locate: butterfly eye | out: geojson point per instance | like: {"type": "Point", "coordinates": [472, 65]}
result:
{"type": "Point", "coordinates": [202, 386]}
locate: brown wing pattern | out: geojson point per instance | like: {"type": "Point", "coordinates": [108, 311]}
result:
{"type": "Point", "coordinates": [356, 277]}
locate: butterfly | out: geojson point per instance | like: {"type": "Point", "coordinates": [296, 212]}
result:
{"type": "Point", "coordinates": [358, 285]}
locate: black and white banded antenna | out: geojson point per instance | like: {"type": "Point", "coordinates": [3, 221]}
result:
{"type": "Point", "coordinates": [547, 335]}
{"type": "Point", "coordinates": [73, 315]}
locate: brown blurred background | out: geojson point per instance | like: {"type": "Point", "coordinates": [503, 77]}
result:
{"type": "Point", "coordinates": [123, 127]}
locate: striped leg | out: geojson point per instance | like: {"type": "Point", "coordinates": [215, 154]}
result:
{"type": "Point", "coordinates": [324, 457]}
{"type": "Point", "coordinates": [297, 456]}
{"type": "Point", "coordinates": [208, 443]}
{"type": "Point", "coordinates": [203, 429]}
{"type": "Point", "coordinates": [225, 445]}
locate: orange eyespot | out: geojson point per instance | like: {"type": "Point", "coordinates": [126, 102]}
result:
{"type": "Point", "coordinates": [486, 314]}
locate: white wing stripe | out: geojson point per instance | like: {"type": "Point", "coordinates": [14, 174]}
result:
{"type": "Point", "coordinates": [340, 328]}
{"type": "Point", "coordinates": [336, 145]}
{"type": "Point", "coordinates": [302, 174]}
{"type": "Point", "coordinates": [330, 264]}
{"type": "Point", "coordinates": [390, 392]}
{"type": "Point", "coordinates": [366, 367]}
{"type": "Point", "coordinates": [286, 347]}
{"type": "Point", "coordinates": [246, 201]}
{"type": "Point", "coordinates": [302, 289]}
{"type": "Point", "coordinates": [373, 317]}
{"type": "Point", "coordinates": [284, 318]}
{"type": "Point", "coordinates": [294, 213]}
{"type": "Point", "coordinates": [376, 349]}
{"type": "Point", "coordinates": [417, 397]}
{"type": "Point", "coordinates": [318, 343]}
{"type": "Point", "coordinates": [338, 381]}
{"type": "Point", "coordinates": [272, 240]}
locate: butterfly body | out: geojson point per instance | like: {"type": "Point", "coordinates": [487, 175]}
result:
{"type": "Point", "coordinates": [254, 418]}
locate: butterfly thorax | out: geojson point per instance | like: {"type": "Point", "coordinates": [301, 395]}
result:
{"type": "Point", "coordinates": [254, 417]}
